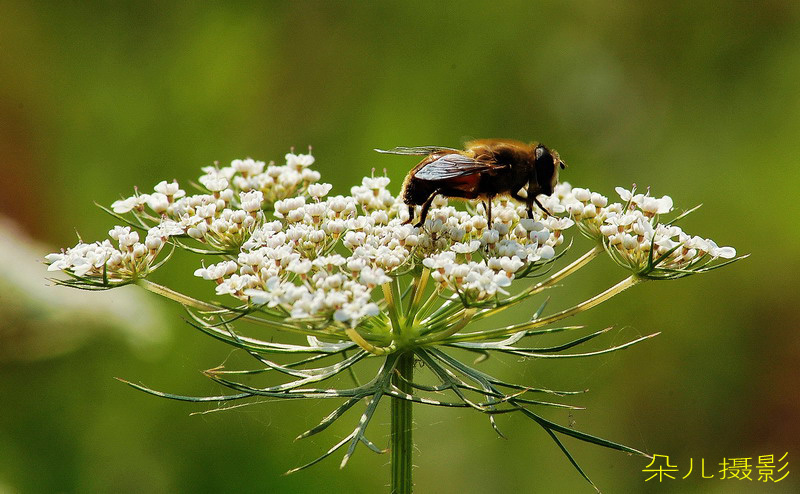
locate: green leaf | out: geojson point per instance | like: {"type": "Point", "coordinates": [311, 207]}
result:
{"type": "Point", "coordinates": [586, 354]}
{"type": "Point", "coordinates": [580, 435]}
{"type": "Point", "coordinates": [570, 457]}
{"type": "Point", "coordinates": [332, 417]}
{"type": "Point", "coordinates": [171, 396]}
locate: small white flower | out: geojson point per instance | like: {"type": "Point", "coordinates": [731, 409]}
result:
{"type": "Point", "coordinates": [546, 252]}
{"type": "Point", "coordinates": [299, 160]}
{"type": "Point", "coordinates": [502, 229]}
{"type": "Point", "coordinates": [373, 277]}
{"type": "Point", "coordinates": [540, 238]}
{"type": "Point", "coordinates": [375, 183]}
{"type": "Point", "coordinates": [554, 223]}
{"type": "Point", "coordinates": [248, 166]}
{"type": "Point", "coordinates": [217, 271]}
{"type": "Point", "coordinates": [214, 182]}
{"type": "Point", "coordinates": [256, 296]}
{"type": "Point", "coordinates": [170, 189]}
{"type": "Point", "coordinates": [356, 264]}
{"type": "Point", "coordinates": [598, 200]}
{"type": "Point", "coordinates": [206, 210]}
{"type": "Point", "coordinates": [479, 223]}
{"type": "Point", "coordinates": [339, 204]}
{"type": "Point", "coordinates": [299, 266]}
{"type": "Point", "coordinates": [624, 194]}
{"type": "Point", "coordinates": [583, 195]}
{"type": "Point", "coordinates": [490, 237]}
{"type": "Point", "coordinates": [158, 202]}
{"type": "Point", "coordinates": [283, 207]}
{"type": "Point", "coordinates": [652, 205]}
{"type": "Point", "coordinates": [629, 242]}
{"type": "Point", "coordinates": [466, 248]}
{"type": "Point", "coordinates": [319, 190]}
{"type": "Point", "coordinates": [531, 225]}
{"type": "Point", "coordinates": [119, 231]}
{"type": "Point", "coordinates": [509, 248]}
{"type": "Point", "coordinates": [440, 260]}
{"type": "Point", "coordinates": [198, 231]}
{"type": "Point", "coordinates": [511, 264]}
{"type": "Point", "coordinates": [252, 200]}
{"type": "Point", "coordinates": [723, 252]}
{"type": "Point", "coordinates": [134, 202]}
{"type": "Point", "coordinates": [335, 227]}
{"type": "Point", "coordinates": [154, 242]}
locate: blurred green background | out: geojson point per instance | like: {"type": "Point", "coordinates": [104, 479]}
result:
{"type": "Point", "coordinates": [699, 100]}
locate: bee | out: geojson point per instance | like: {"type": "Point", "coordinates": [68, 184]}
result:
{"type": "Point", "coordinates": [484, 169]}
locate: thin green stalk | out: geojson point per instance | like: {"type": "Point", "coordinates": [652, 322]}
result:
{"type": "Point", "coordinates": [444, 313]}
{"type": "Point", "coordinates": [428, 305]}
{"type": "Point", "coordinates": [194, 303]}
{"type": "Point", "coordinates": [392, 307]}
{"type": "Point", "coordinates": [359, 340]}
{"type": "Point", "coordinates": [464, 318]}
{"type": "Point", "coordinates": [417, 291]}
{"type": "Point", "coordinates": [176, 296]}
{"type": "Point", "coordinates": [402, 444]}
{"type": "Point", "coordinates": [537, 323]}
{"type": "Point", "coordinates": [541, 286]}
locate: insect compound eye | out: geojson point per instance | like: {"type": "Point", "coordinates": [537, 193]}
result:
{"type": "Point", "coordinates": [546, 169]}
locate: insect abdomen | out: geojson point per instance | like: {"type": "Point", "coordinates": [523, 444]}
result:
{"type": "Point", "coordinates": [416, 192]}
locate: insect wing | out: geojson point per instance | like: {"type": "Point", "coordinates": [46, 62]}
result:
{"type": "Point", "coordinates": [451, 166]}
{"type": "Point", "coordinates": [416, 151]}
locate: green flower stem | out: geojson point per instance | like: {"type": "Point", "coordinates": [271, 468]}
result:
{"type": "Point", "coordinates": [428, 305]}
{"type": "Point", "coordinates": [359, 340]}
{"type": "Point", "coordinates": [539, 287]}
{"type": "Point", "coordinates": [464, 318]}
{"type": "Point", "coordinates": [444, 313]}
{"type": "Point", "coordinates": [537, 323]}
{"type": "Point", "coordinates": [402, 444]}
{"type": "Point", "coordinates": [176, 296]}
{"type": "Point", "coordinates": [392, 302]}
{"type": "Point", "coordinates": [568, 269]}
{"type": "Point", "coordinates": [417, 291]}
{"type": "Point", "coordinates": [188, 301]}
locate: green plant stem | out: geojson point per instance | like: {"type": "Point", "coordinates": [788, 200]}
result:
{"type": "Point", "coordinates": [392, 305]}
{"type": "Point", "coordinates": [544, 321]}
{"type": "Point", "coordinates": [194, 303]}
{"type": "Point", "coordinates": [541, 286]}
{"type": "Point", "coordinates": [402, 444]}
{"type": "Point", "coordinates": [359, 340]}
{"type": "Point", "coordinates": [465, 316]}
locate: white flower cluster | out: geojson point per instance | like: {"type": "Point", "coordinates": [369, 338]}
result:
{"type": "Point", "coordinates": [317, 257]}
{"type": "Point", "coordinates": [630, 230]}
{"type": "Point", "coordinates": [227, 215]}
{"type": "Point", "coordinates": [297, 252]}
{"type": "Point", "coordinates": [132, 259]}
{"type": "Point", "coordinates": [324, 257]}
{"type": "Point", "coordinates": [514, 243]}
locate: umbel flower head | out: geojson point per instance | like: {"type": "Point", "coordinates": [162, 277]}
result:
{"type": "Point", "coordinates": [349, 274]}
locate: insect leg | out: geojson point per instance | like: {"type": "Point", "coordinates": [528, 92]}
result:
{"type": "Point", "coordinates": [410, 215]}
{"type": "Point", "coordinates": [528, 201]}
{"type": "Point", "coordinates": [489, 211]}
{"type": "Point", "coordinates": [546, 212]}
{"type": "Point", "coordinates": [425, 206]}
